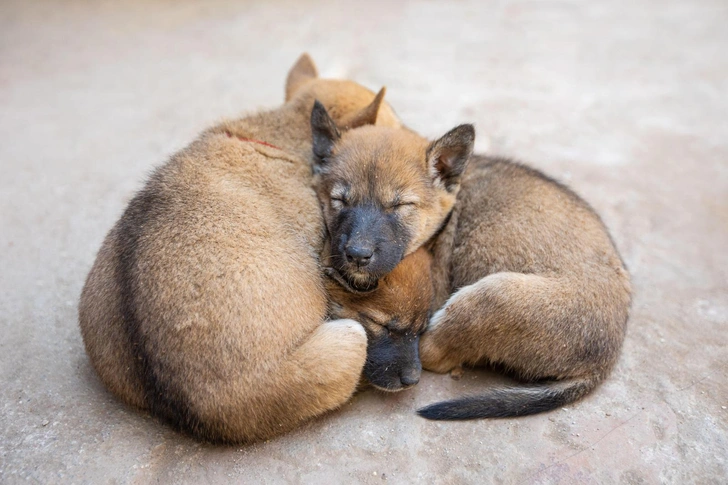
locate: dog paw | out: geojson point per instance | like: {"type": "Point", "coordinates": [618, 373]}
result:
{"type": "Point", "coordinates": [457, 373]}
{"type": "Point", "coordinates": [347, 326]}
{"type": "Point", "coordinates": [462, 299]}
{"type": "Point", "coordinates": [436, 319]}
{"type": "Point", "coordinates": [433, 357]}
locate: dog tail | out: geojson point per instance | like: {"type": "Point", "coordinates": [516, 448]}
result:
{"type": "Point", "coordinates": [506, 402]}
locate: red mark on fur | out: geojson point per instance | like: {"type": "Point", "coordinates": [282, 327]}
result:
{"type": "Point", "coordinates": [251, 140]}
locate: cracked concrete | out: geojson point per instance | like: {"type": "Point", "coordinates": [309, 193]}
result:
{"type": "Point", "coordinates": [624, 100]}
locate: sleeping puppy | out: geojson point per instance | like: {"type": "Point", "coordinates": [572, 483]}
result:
{"type": "Point", "coordinates": [205, 304]}
{"type": "Point", "coordinates": [537, 287]}
{"type": "Point", "coordinates": [394, 315]}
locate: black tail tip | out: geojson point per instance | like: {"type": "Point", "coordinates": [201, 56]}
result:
{"type": "Point", "coordinates": [502, 403]}
{"type": "Point", "coordinates": [439, 412]}
{"type": "Point", "coordinates": [427, 412]}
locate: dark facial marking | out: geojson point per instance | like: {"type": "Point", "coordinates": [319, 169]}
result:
{"type": "Point", "coordinates": [393, 360]}
{"type": "Point", "coordinates": [367, 242]}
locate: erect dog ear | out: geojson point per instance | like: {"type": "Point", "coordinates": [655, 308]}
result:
{"type": "Point", "coordinates": [302, 71]}
{"type": "Point", "coordinates": [448, 156]}
{"type": "Point", "coordinates": [324, 133]}
{"type": "Point", "coordinates": [366, 116]}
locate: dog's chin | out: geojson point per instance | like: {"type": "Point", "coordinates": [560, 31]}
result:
{"type": "Point", "coordinates": [395, 388]}
{"type": "Point", "coordinates": [362, 282]}
{"type": "Point", "coordinates": [355, 282]}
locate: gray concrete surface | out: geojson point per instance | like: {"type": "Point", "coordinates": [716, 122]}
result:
{"type": "Point", "coordinates": [627, 101]}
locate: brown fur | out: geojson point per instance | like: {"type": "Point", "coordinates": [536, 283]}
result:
{"type": "Point", "coordinates": [393, 315]}
{"type": "Point", "coordinates": [205, 303]}
{"type": "Point", "coordinates": [539, 289]}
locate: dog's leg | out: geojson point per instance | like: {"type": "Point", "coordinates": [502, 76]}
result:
{"type": "Point", "coordinates": [498, 318]}
{"type": "Point", "coordinates": [563, 333]}
{"type": "Point", "coordinates": [329, 365]}
{"type": "Point", "coordinates": [320, 375]}
{"type": "Point", "coordinates": [534, 325]}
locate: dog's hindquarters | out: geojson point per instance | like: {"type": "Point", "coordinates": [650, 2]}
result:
{"type": "Point", "coordinates": [318, 376]}
{"type": "Point", "coordinates": [322, 374]}
{"type": "Point", "coordinates": [102, 327]}
{"type": "Point", "coordinates": [527, 323]}
{"type": "Point", "coordinates": [205, 304]}
{"type": "Point", "coordinates": [204, 390]}
{"type": "Point", "coordinates": [206, 372]}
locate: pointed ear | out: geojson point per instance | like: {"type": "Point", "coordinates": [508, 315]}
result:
{"type": "Point", "coordinates": [448, 156]}
{"type": "Point", "coordinates": [302, 71]}
{"type": "Point", "coordinates": [325, 134]}
{"type": "Point", "coordinates": [366, 116]}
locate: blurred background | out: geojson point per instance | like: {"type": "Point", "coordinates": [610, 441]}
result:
{"type": "Point", "coordinates": [623, 100]}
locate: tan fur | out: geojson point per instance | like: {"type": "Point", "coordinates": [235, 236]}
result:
{"type": "Point", "coordinates": [539, 289]}
{"type": "Point", "coordinates": [205, 303]}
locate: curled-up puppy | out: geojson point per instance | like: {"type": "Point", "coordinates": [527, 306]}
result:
{"type": "Point", "coordinates": [206, 303]}
{"type": "Point", "coordinates": [394, 314]}
{"type": "Point", "coordinates": [539, 289]}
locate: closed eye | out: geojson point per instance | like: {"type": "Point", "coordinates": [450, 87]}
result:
{"type": "Point", "coordinates": [339, 195]}
{"type": "Point", "coordinates": [401, 205]}
{"type": "Point", "coordinates": [338, 202]}
{"type": "Point", "coordinates": [402, 200]}
{"type": "Point", "coordinates": [375, 321]}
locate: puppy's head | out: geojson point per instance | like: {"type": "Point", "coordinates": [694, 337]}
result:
{"type": "Point", "coordinates": [394, 315]}
{"type": "Point", "coordinates": [384, 191]}
{"type": "Point", "coordinates": [349, 103]}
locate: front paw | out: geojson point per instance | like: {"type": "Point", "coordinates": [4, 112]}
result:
{"type": "Point", "coordinates": [433, 357]}
{"type": "Point", "coordinates": [436, 319]}
{"type": "Point", "coordinates": [457, 373]}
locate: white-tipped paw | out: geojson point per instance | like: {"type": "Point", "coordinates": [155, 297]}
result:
{"type": "Point", "coordinates": [347, 325]}
{"type": "Point", "coordinates": [457, 298]}
{"type": "Point", "coordinates": [436, 319]}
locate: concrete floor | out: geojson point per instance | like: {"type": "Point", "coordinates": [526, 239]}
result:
{"type": "Point", "coordinates": [627, 101]}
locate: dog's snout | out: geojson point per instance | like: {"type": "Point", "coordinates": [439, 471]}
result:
{"type": "Point", "coordinates": [410, 377]}
{"type": "Point", "coordinates": [360, 254]}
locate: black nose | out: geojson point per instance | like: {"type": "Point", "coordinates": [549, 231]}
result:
{"type": "Point", "coordinates": [359, 254]}
{"type": "Point", "coordinates": [410, 378]}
